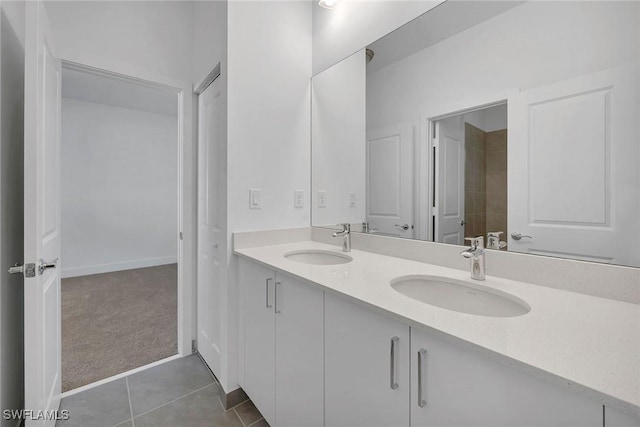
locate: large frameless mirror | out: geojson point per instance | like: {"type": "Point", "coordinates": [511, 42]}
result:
{"type": "Point", "coordinates": [516, 121]}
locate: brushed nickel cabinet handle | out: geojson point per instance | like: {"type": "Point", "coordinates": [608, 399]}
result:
{"type": "Point", "coordinates": [275, 293]}
{"type": "Point", "coordinates": [267, 293]}
{"type": "Point", "coordinates": [392, 368]}
{"type": "Point", "coordinates": [422, 359]}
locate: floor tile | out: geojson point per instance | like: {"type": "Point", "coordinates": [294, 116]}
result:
{"type": "Point", "coordinates": [199, 409]}
{"type": "Point", "coordinates": [260, 423]}
{"type": "Point", "coordinates": [102, 406]}
{"type": "Point", "coordinates": [169, 381]}
{"type": "Point", "coordinates": [248, 413]}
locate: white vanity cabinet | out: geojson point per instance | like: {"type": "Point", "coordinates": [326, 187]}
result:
{"type": "Point", "coordinates": [453, 386]}
{"type": "Point", "coordinates": [283, 346]}
{"type": "Point", "coordinates": [615, 418]}
{"type": "Point", "coordinates": [366, 367]}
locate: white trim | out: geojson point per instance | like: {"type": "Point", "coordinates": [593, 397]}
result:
{"type": "Point", "coordinates": [186, 177]}
{"type": "Point", "coordinates": [118, 376]}
{"type": "Point", "coordinates": [117, 266]}
{"type": "Point", "coordinates": [211, 77]}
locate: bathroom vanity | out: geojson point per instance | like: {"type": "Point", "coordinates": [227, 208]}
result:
{"type": "Point", "coordinates": [332, 343]}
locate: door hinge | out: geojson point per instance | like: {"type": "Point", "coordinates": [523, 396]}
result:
{"type": "Point", "coordinates": [29, 270]}
{"type": "Point", "coordinates": [180, 236]}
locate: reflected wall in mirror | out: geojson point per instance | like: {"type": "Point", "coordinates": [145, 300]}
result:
{"type": "Point", "coordinates": [481, 117]}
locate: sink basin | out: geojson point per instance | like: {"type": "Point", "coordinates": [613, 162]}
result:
{"type": "Point", "coordinates": [461, 296]}
{"type": "Point", "coordinates": [318, 257]}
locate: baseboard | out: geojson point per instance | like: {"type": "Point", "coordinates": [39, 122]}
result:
{"type": "Point", "coordinates": [228, 400]}
{"type": "Point", "coordinates": [118, 266]}
{"type": "Point", "coordinates": [233, 398]}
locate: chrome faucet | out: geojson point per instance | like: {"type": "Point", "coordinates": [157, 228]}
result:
{"type": "Point", "coordinates": [493, 240]}
{"type": "Point", "coordinates": [476, 255]}
{"type": "Point", "coordinates": [346, 232]}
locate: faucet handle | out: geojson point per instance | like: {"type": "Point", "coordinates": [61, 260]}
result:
{"type": "Point", "coordinates": [476, 242]}
{"type": "Point", "coordinates": [495, 234]}
{"type": "Point", "coordinates": [345, 226]}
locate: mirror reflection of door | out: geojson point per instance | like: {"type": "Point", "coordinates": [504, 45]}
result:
{"type": "Point", "coordinates": [572, 187]}
{"type": "Point", "coordinates": [470, 192]}
{"type": "Point", "coordinates": [389, 201]}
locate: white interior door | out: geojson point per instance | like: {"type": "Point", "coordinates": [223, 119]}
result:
{"type": "Point", "coordinates": [41, 215]}
{"type": "Point", "coordinates": [573, 168]}
{"type": "Point", "coordinates": [449, 188]}
{"type": "Point", "coordinates": [390, 180]}
{"type": "Point", "coordinates": [211, 228]}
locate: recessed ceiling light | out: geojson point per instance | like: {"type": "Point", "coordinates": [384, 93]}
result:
{"type": "Point", "coordinates": [328, 4]}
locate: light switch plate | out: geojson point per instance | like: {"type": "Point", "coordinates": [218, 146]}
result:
{"type": "Point", "coordinates": [298, 199]}
{"type": "Point", "coordinates": [255, 198]}
{"type": "Point", "coordinates": [352, 200]}
{"type": "Point", "coordinates": [322, 199]}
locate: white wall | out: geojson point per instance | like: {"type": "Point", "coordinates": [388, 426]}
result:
{"type": "Point", "coordinates": [119, 188]}
{"type": "Point", "coordinates": [209, 37]}
{"type": "Point", "coordinates": [547, 42]}
{"type": "Point", "coordinates": [352, 25]}
{"type": "Point", "coordinates": [339, 141]}
{"type": "Point", "coordinates": [154, 36]}
{"type": "Point", "coordinates": [269, 54]}
{"type": "Point", "coordinates": [11, 208]}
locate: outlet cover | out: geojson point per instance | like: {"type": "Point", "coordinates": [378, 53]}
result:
{"type": "Point", "coordinates": [298, 199]}
{"type": "Point", "coordinates": [322, 199]}
{"type": "Point", "coordinates": [352, 200]}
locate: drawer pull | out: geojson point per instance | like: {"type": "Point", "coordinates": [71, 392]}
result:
{"type": "Point", "coordinates": [422, 370]}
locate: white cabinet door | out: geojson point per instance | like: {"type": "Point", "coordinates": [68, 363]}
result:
{"type": "Point", "coordinates": [366, 383]}
{"type": "Point", "coordinates": [299, 354]}
{"type": "Point", "coordinates": [259, 337]}
{"type": "Point", "coordinates": [615, 418]}
{"type": "Point", "coordinates": [459, 388]}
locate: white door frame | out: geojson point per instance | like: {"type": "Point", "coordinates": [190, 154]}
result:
{"type": "Point", "coordinates": [185, 233]}
{"type": "Point", "coordinates": [425, 197]}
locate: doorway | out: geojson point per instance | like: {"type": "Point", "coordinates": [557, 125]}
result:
{"type": "Point", "coordinates": [119, 225]}
{"type": "Point", "coordinates": [470, 174]}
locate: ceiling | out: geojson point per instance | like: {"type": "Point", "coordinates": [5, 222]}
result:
{"type": "Point", "coordinates": [117, 92]}
{"type": "Point", "coordinates": [444, 21]}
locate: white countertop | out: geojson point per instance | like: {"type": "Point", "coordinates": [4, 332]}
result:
{"type": "Point", "coordinates": [583, 342]}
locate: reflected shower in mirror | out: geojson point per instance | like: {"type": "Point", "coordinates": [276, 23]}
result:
{"type": "Point", "coordinates": [516, 121]}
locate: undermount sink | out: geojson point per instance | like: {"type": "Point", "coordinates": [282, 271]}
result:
{"type": "Point", "coordinates": [460, 296]}
{"type": "Point", "coordinates": [318, 257]}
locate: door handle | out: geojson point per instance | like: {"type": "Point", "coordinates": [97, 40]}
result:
{"type": "Point", "coordinates": [28, 270]}
{"type": "Point", "coordinates": [42, 266]}
{"type": "Point", "coordinates": [403, 227]}
{"type": "Point", "coordinates": [518, 236]}
{"type": "Point", "coordinates": [267, 293]}
{"type": "Point", "coordinates": [392, 368]}
{"type": "Point", "coordinates": [422, 370]}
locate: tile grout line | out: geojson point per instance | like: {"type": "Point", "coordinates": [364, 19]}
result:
{"type": "Point", "coordinates": [240, 418]}
{"type": "Point", "coordinates": [256, 421]}
{"type": "Point", "coordinates": [133, 423]}
{"type": "Point", "coordinates": [174, 400]}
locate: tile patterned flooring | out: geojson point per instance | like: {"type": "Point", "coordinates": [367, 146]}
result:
{"type": "Point", "coordinates": [180, 393]}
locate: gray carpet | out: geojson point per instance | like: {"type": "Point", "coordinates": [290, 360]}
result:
{"type": "Point", "coordinates": [114, 322]}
